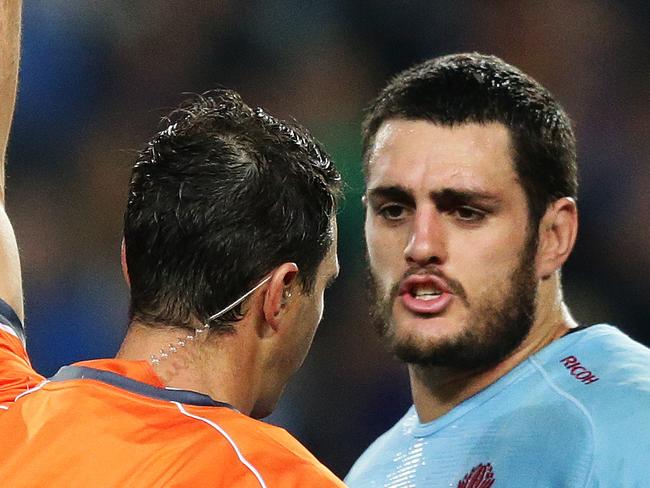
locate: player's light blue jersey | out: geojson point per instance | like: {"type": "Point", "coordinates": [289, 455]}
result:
{"type": "Point", "coordinates": [576, 414]}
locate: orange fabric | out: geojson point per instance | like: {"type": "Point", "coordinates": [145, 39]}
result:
{"type": "Point", "coordinates": [16, 372]}
{"type": "Point", "coordinates": [84, 432]}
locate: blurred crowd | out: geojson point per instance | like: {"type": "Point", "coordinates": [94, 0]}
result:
{"type": "Point", "coordinates": [97, 76]}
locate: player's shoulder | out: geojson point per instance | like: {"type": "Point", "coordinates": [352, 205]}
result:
{"type": "Point", "coordinates": [270, 449]}
{"type": "Point", "coordinates": [387, 444]}
{"type": "Point", "coordinates": [600, 355]}
{"type": "Point", "coordinates": [607, 372]}
{"type": "Point", "coordinates": [604, 373]}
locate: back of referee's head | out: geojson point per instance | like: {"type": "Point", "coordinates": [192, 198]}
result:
{"type": "Point", "coordinates": [218, 198]}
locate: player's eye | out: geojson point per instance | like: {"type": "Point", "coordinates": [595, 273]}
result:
{"type": "Point", "coordinates": [392, 211]}
{"type": "Point", "coordinates": [468, 214]}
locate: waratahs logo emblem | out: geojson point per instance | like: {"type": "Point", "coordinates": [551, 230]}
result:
{"type": "Point", "coordinates": [481, 476]}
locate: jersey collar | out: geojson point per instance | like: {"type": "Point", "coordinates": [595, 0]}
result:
{"type": "Point", "coordinates": [134, 376]}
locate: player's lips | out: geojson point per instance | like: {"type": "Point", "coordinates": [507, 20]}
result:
{"type": "Point", "coordinates": [425, 294]}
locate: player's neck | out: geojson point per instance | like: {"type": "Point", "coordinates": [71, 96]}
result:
{"type": "Point", "coordinates": [437, 390]}
{"type": "Point", "coordinates": [223, 369]}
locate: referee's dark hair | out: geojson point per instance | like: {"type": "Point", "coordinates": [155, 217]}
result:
{"type": "Point", "coordinates": [471, 87]}
{"type": "Point", "coordinates": [218, 198]}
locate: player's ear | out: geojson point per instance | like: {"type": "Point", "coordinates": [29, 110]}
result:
{"type": "Point", "coordinates": [557, 235]}
{"type": "Point", "coordinates": [125, 268]}
{"type": "Point", "coordinates": [278, 293]}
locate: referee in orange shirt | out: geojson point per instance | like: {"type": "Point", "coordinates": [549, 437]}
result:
{"type": "Point", "coordinates": [229, 243]}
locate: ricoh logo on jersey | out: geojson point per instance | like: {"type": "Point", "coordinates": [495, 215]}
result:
{"type": "Point", "coordinates": [578, 371]}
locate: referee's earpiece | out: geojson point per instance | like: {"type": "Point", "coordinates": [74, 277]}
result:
{"type": "Point", "coordinates": [286, 294]}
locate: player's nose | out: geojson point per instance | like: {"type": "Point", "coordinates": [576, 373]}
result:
{"type": "Point", "coordinates": [427, 243]}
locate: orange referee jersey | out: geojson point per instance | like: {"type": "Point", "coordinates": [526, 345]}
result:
{"type": "Point", "coordinates": [112, 423]}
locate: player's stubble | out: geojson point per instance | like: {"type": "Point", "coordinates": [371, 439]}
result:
{"type": "Point", "coordinates": [497, 323]}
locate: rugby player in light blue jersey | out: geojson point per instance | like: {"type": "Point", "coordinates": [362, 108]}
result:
{"type": "Point", "coordinates": [470, 214]}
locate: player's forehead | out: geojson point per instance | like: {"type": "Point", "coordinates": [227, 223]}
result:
{"type": "Point", "coordinates": [421, 154]}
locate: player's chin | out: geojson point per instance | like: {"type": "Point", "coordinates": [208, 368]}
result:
{"type": "Point", "coordinates": [423, 336]}
{"type": "Point", "coordinates": [429, 327]}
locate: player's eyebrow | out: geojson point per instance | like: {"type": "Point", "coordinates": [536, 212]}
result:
{"type": "Point", "coordinates": [457, 196]}
{"type": "Point", "coordinates": [444, 196]}
{"type": "Point", "coordinates": [394, 193]}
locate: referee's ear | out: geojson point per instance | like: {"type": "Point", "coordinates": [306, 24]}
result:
{"type": "Point", "coordinates": [278, 293]}
{"type": "Point", "coordinates": [125, 268]}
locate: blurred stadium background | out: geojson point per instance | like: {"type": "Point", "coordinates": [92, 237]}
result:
{"type": "Point", "coordinates": [97, 76]}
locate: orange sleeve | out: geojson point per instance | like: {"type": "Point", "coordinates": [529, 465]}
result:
{"type": "Point", "coordinates": [16, 372]}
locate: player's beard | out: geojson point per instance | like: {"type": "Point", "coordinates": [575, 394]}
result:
{"type": "Point", "coordinates": [496, 325]}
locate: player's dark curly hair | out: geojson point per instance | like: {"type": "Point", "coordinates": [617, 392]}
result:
{"type": "Point", "coordinates": [218, 198]}
{"type": "Point", "coordinates": [472, 87]}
